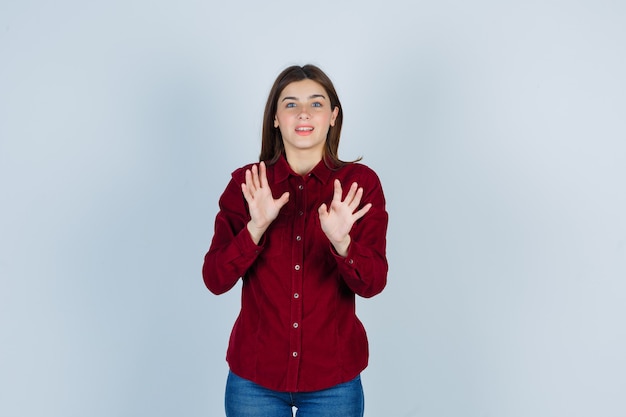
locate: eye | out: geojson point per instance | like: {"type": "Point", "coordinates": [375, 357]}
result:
{"type": "Point", "coordinates": [316, 104]}
{"type": "Point", "coordinates": [290, 105]}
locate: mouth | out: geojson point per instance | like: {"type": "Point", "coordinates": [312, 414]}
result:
{"type": "Point", "coordinates": [304, 130]}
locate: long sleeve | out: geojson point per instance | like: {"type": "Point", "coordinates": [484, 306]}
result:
{"type": "Point", "coordinates": [364, 269]}
{"type": "Point", "coordinates": [232, 250]}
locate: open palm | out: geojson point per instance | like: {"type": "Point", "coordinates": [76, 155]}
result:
{"type": "Point", "coordinates": [338, 219]}
{"type": "Point", "coordinates": [261, 203]}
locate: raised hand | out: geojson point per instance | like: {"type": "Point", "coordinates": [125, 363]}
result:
{"type": "Point", "coordinates": [338, 219]}
{"type": "Point", "coordinates": [263, 207]}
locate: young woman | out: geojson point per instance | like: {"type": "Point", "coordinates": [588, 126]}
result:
{"type": "Point", "coordinates": [305, 232]}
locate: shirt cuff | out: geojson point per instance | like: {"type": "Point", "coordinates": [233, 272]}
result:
{"type": "Point", "coordinates": [347, 260]}
{"type": "Point", "coordinates": [246, 245]}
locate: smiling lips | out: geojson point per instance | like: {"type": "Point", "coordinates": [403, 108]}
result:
{"type": "Point", "coordinates": [304, 130]}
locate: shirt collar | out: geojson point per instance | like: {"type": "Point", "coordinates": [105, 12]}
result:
{"type": "Point", "coordinates": [282, 171]}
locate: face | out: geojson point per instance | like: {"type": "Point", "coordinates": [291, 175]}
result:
{"type": "Point", "coordinates": [304, 115]}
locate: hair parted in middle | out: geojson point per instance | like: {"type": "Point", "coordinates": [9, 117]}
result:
{"type": "Point", "coordinates": [272, 146]}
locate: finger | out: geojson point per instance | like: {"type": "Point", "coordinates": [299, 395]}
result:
{"type": "Point", "coordinates": [362, 212]}
{"type": "Point", "coordinates": [246, 193]}
{"type": "Point", "coordinates": [263, 175]}
{"type": "Point", "coordinates": [351, 193]}
{"type": "Point", "coordinates": [255, 176]}
{"type": "Point", "coordinates": [322, 211]}
{"type": "Point", "coordinates": [249, 182]}
{"type": "Point", "coordinates": [283, 199]}
{"type": "Point", "coordinates": [337, 193]}
{"type": "Point", "coordinates": [356, 200]}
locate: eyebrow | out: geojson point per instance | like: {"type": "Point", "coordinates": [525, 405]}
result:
{"type": "Point", "coordinates": [310, 97]}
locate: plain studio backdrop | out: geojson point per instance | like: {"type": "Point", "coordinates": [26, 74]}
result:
{"type": "Point", "coordinates": [498, 130]}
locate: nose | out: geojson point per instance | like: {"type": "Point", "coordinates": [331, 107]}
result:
{"type": "Point", "coordinates": [304, 115]}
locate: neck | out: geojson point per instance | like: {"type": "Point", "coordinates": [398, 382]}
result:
{"type": "Point", "coordinates": [302, 162]}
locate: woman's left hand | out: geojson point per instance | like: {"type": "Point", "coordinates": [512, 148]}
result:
{"type": "Point", "coordinates": [337, 221]}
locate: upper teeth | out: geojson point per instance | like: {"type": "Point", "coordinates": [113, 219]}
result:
{"type": "Point", "coordinates": [304, 128]}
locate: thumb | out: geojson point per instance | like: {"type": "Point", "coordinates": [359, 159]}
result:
{"type": "Point", "coordinates": [322, 211]}
{"type": "Point", "coordinates": [283, 199]}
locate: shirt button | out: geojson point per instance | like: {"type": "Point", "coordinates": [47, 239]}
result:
{"type": "Point", "coordinates": [300, 213]}
{"type": "Point", "coordinates": [295, 325]}
{"type": "Point", "coordinates": [294, 354]}
{"type": "Point", "coordinates": [297, 267]}
{"type": "Point", "coordinates": [296, 295]}
{"type": "Point", "coordinates": [300, 187]}
{"type": "Point", "coordinates": [298, 238]}
{"type": "Point", "coordinates": [351, 261]}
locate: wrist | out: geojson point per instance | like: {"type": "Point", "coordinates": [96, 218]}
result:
{"type": "Point", "coordinates": [256, 233]}
{"type": "Point", "coordinates": [342, 246]}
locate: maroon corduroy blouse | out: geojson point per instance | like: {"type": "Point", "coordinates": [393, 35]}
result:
{"type": "Point", "coordinates": [297, 329]}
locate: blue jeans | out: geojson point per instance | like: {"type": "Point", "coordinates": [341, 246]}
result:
{"type": "Point", "coordinates": [246, 399]}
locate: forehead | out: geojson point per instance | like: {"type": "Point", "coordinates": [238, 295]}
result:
{"type": "Point", "coordinates": [303, 89]}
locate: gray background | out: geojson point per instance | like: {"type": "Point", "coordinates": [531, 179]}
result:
{"type": "Point", "coordinates": [497, 128]}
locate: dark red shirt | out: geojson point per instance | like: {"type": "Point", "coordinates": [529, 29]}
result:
{"type": "Point", "coordinates": [297, 329]}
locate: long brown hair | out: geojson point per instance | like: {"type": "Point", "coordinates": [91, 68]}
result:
{"type": "Point", "coordinates": [272, 146]}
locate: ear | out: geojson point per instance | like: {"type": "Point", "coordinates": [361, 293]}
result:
{"type": "Point", "coordinates": [333, 118]}
{"type": "Point", "coordinates": [275, 121]}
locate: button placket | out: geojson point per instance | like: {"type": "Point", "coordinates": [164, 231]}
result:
{"type": "Point", "coordinates": [297, 261]}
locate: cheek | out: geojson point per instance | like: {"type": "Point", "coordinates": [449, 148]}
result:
{"type": "Point", "coordinates": [279, 119]}
{"type": "Point", "coordinates": [284, 131]}
{"type": "Point", "coordinates": [284, 116]}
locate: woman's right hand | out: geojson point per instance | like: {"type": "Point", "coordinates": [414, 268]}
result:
{"type": "Point", "coordinates": [261, 203]}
